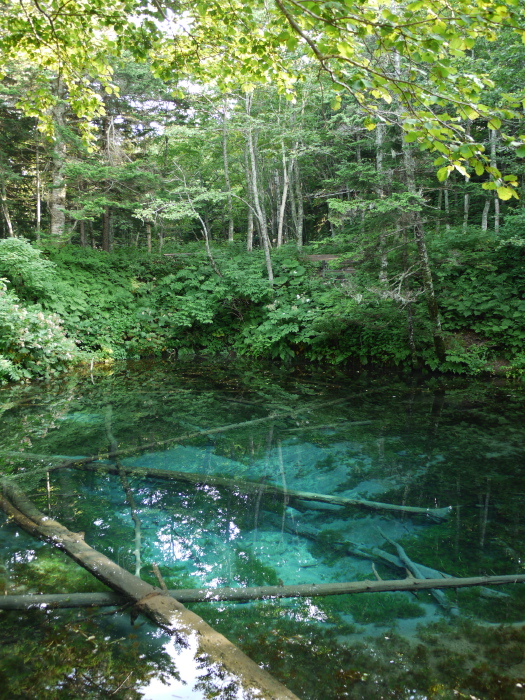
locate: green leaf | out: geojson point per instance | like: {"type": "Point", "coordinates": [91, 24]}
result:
{"type": "Point", "coordinates": [494, 124]}
{"type": "Point", "coordinates": [443, 173]}
{"type": "Point", "coordinates": [506, 193]}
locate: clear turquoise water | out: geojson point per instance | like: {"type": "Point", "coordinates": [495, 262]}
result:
{"type": "Point", "coordinates": [416, 441]}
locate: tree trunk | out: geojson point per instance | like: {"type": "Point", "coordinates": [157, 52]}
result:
{"type": "Point", "coordinates": [300, 590]}
{"type": "Point", "coordinates": [106, 224]}
{"type": "Point", "coordinates": [485, 216]}
{"type": "Point", "coordinates": [58, 191]}
{"type": "Point", "coordinates": [259, 207]}
{"type": "Point", "coordinates": [83, 241]}
{"type": "Point", "coordinates": [249, 193]}
{"type": "Point", "coordinates": [148, 236]}
{"type": "Point", "coordinates": [245, 486]}
{"type": "Point", "coordinates": [493, 145]}
{"type": "Point", "coordinates": [165, 611]}
{"type": "Point", "coordinates": [447, 209]}
{"type": "Point", "coordinates": [5, 211]}
{"type": "Point", "coordinates": [227, 171]}
{"type": "Point", "coordinates": [383, 255]}
{"type": "Point", "coordinates": [38, 193]}
{"type": "Point", "coordinates": [284, 197]}
{"type": "Point", "coordinates": [299, 204]}
{"type": "Point", "coordinates": [426, 272]}
{"type": "Point", "coordinates": [466, 206]}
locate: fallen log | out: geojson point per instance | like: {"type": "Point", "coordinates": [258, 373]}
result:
{"type": "Point", "coordinates": [303, 590]}
{"type": "Point", "coordinates": [245, 486]}
{"type": "Point", "coordinates": [168, 613]}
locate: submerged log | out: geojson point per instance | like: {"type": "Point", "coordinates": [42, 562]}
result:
{"type": "Point", "coordinates": [167, 612]}
{"type": "Point", "coordinates": [416, 571]}
{"type": "Point", "coordinates": [304, 590]}
{"type": "Point", "coordinates": [245, 486]}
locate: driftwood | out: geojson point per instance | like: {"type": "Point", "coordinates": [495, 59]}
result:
{"type": "Point", "coordinates": [245, 486]}
{"type": "Point", "coordinates": [305, 590]}
{"type": "Point", "coordinates": [167, 612]}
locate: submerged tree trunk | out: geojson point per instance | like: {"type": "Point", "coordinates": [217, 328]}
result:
{"type": "Point", "coordinates": [172, 616]}
{"type": "Point", "coordinates": [269, 489]}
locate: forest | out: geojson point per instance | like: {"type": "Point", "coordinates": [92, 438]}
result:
{"type": "Point", "coordinates": [171, 193]}
{"type": "Point", "coordinates": [262, 322]}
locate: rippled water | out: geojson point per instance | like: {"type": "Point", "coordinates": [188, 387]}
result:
{"type": "Point", "coordinates": [430, 443]}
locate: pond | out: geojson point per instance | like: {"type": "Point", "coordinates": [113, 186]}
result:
{"type": "Point", "coordinates": [214, 460]}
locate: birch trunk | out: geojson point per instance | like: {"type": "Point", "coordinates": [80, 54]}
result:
{"type": "Point", "coordinates": [493, 146]}
{"type": "Point", "coordinates": [249, 192]}
{"type": "Point", "coordinates": [227, 171]}
{"type": "Point", "coordinates": [38, 193]}
{"type": "Point", "coordinates": [485, 216]}
{"type": "Point", "coordinates": [284, 197]}
{"type": "Point", "coordinates": [259, 207]}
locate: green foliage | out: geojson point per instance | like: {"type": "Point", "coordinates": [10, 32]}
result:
{"type": "Point", "coordinates": [481, 280]}
{"type": "Point", "coordinates": [27, 270]}
{"type": "Point", "coordinates": [32, 343]}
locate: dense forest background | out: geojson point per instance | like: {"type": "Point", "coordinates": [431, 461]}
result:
{"type": "Point", "coordinates": [193, 219]}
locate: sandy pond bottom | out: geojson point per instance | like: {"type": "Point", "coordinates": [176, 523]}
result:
{"type": "Point", "coordinates": [415, 443]}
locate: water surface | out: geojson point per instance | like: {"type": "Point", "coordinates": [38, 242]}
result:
{"type": "Point", "coordinates": [420, 442]}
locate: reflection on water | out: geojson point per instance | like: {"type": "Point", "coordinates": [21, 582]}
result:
{"type": "Point", "coordinates": [425, 443]}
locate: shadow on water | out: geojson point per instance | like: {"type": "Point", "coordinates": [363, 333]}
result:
{"type": "Point", "coordinates": [425, 443]}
